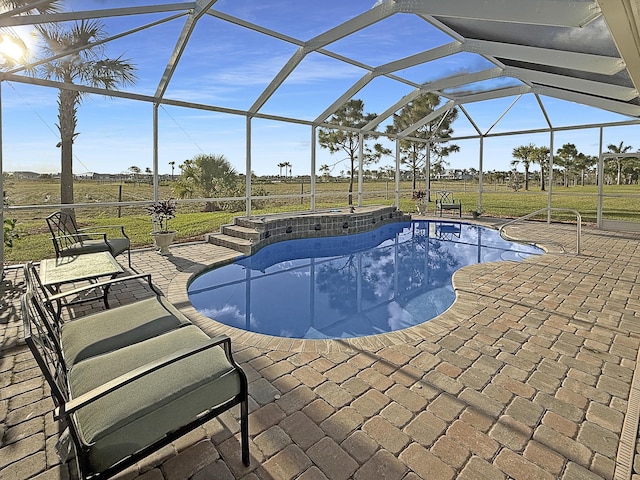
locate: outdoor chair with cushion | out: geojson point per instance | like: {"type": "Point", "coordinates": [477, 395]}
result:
{"type": "Point", "coordinates": [122, 395]}
{"type": "Point", "coordinates": [445, 201]}
{"type": "Point", "coordinates": [69, 240]}
{"type": "Point", "coordinates": [107, 330]}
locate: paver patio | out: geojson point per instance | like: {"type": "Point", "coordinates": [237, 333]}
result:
{"type": "Point", "coordinates": [528, 375]}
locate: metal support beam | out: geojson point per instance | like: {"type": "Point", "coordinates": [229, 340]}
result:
{"type": "Point", "coordinates": [623, 19]}
{"type": "Point", "coordinates": [480, 175]}
{"type": "Point", "coordinates": [360, 166]}
{"type": "Point", "coordinates": [14, 21]}
{"type": "Point", "coordinates": [606, 90]}
{"type": "Point", "coordinates": [460, 80]}
{"type": "Point", "coordinates": [247, 192]}
{"type": "Point", "coordinates": [420, 58]}
{"type": "Point", "coordinates": [313, 168]}
{"type": "Point", "coordinates": [550, 175]}
{"type": "Point", "coordinates": [391, 110]}
{"type": "Point", "coordinates": [429, 118]}
{"type": "Point", "coordinates": [600, 180]}
{"type": "Point", "coordinates": [545, 56]}
{"type": "Point", "coordinates": [493, 94]}
{"type": "Point", "coordinates": [156, 141]}
{"type": "Point", "coordinates": [537, 12]}
{"type": "Point", "coordinates": [611, 105]}
{"type": "Point", "coordinates": [1, 190]}
{"type": "Point", "coordinates": [279, 79]}
{"type": "Point", "coordinates": [200, 9]}
{"type": "Point", "coordinates": [364, 20]}
{"type": "Point", "coordinates": [345, 97]}
{"type": "Point", "coordinates": [397, 186]}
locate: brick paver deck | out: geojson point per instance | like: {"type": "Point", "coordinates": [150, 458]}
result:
{"type": "Point", "coordinates": [528, 376]}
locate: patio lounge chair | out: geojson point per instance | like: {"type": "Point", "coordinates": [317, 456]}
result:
{"type": "Point", "coordinates": [130, 380]}
{"type": "Point", "coordinates": [107, 330]}
{"type": "Point", "coordinates": [445, 201]}
{"type": "Point", "coordinates": [69, 240]}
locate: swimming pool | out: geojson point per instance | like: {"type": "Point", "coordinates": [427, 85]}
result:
{"type": "Point", "coordinates": [391, 278]}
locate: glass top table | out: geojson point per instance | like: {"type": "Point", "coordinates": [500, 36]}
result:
{"type": "Point", "coordinates": [55, 272]}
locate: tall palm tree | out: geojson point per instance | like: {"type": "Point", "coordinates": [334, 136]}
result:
{"type": "Point", "coordinates": [173, 164]}
{"type": "Point", "coordinates": [541, 157]}
{"type": "Point", "coordinates": [287, 165]}
{"type": "Point", "coordinates": [524, 154]}
{"type": "Point", "coordinates": [86, 63]}
{"type": "Point", "coordinates": [619, 149]}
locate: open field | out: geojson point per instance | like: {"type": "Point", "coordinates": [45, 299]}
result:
{"type": "Point", "coordinates": [620, 202]}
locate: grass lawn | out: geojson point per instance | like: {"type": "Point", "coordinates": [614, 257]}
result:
{"type": "Point", "coordinates": [620, 202]}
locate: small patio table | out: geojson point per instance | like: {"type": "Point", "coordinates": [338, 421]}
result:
{"type": "Point", "coordinates": [55, 272]}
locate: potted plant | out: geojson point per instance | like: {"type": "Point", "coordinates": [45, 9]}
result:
{"type": "Point", "coordinates": [420, 197]}
{"type": "Point", "coordinates": [161, 212]}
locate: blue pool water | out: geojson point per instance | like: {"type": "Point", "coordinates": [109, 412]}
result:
{"type": "Point", "coordinates": [394, 277]}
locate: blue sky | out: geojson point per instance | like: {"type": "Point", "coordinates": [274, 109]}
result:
{"type": "Point", "coordinates": [229, 66]}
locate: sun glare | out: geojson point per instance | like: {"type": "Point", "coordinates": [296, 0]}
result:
{"type": "Point", "coordinates": [10, 48]}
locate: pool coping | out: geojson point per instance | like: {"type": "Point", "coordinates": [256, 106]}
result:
{"type": "Point", "coordinates": [464, 305]}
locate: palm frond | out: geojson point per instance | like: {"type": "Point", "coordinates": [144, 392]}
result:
{"type": "Point", "coordinates": [27, 7]}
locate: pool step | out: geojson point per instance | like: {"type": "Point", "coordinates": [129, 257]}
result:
{"type": "Point", "coordinates": [242, 245]}
{"type": "Point", "coordinates": [239, 231]}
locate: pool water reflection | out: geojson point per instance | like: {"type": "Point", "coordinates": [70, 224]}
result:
{"type": "Point", "coordinates": [391, 278]}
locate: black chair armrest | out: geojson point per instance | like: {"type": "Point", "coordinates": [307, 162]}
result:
{"type": "Point", "coordinates": [88, 235]}
{"type": "Point", "coordinates": [93, 229]}
{"type": "Point", "coordinates": [85, 399]}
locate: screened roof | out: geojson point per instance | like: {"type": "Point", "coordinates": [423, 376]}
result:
{"type": "Point", "coordinates": [580, 51]}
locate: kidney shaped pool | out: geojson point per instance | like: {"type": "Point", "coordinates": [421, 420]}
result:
{"type": "Point", "coordinates": [391, 278]}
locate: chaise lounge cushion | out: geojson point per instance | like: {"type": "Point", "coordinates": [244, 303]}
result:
{"type": "Point", "coordinates": [115, 245]}
{"type": "Point", "coordinates": [142, 412]}
{"type": "Point", "coordinates": [111, 329]}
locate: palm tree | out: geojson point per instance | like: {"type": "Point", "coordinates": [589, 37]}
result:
{"type": "Point", "coordinates": [619, 149]}
{"type": "Point", "coordinates": [524, 154]}
{"type": "Point", "coordinates": [541, 157]}
{"type": "Point", "coordinates": [211, 176]}
{"type": "Point", "coordinates": [86, 63]}
{"type": "Point", "coordinates": [326, 171]}
{"type": "Point", "coordinates": [287, 165]}
{"type": "Point", "coordinates": [281, 165]}
{"type": "Point", "coordinates": [173, 164]}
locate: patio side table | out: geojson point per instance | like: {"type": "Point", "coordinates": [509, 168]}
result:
{"type": "Point", "coordinates": [55, 272]}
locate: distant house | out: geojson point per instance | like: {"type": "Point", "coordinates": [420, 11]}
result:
{"type": "Point", "coordinates": [26, 175]}
{"type": "Point", "coordinates": [85, 176]}
{"type": "Point", "coordinates": [110, 177]}
{"type": "Point", "coordinates": [449, 174]}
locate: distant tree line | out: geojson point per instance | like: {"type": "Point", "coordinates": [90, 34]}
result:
{"type": "Point", "coordinates": [575, 167]}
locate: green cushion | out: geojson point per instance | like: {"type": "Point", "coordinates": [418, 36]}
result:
{"type": "Point", "coordinates": [88, 246]}
{"type": "Point", "coordinates": [141, 413]}
{"type": "Point", "coordinates": [116, 245]}
{"type": "Point", "coordinates": [111, 329]}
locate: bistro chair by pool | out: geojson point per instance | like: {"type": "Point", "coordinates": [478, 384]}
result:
{"type": "Point", "coordinates": [69, 240]}
{"type": "Point", "coordinates": [445, 201]}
